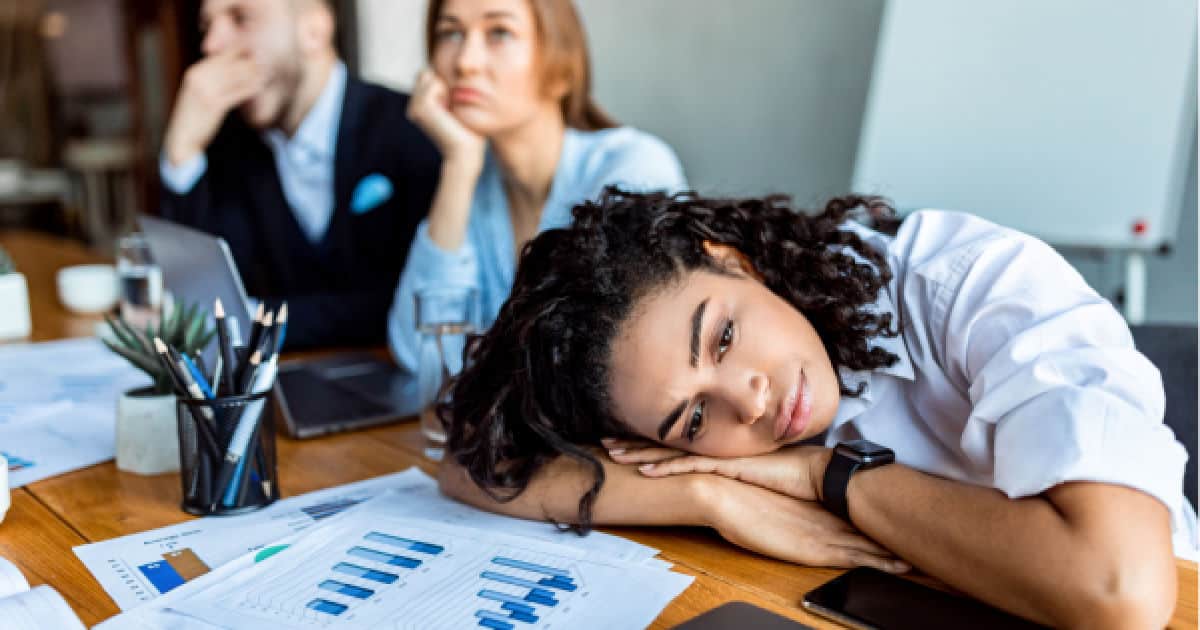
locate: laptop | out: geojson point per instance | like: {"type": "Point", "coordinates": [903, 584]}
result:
{"type": "Point", "coordinates": [331, 394]}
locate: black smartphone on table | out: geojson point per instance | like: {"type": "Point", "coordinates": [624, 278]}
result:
{"type": "Point", "coordinates": [870, 599]}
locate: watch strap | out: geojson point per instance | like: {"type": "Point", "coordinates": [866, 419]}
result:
{"type": "Point", "coordinates": [835, 484]}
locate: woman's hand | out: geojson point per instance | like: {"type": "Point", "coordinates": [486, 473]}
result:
{"type": "Point", "coordinates": [429, 109]}
{"type": "Point", "coordinates": [797, 531]}
{"type": "Point", "coordinates": [794, 471]}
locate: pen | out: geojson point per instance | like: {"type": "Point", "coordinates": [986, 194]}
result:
{"type": "Point", "coordinates": [225, 344]}
{"type": "Point", "coordinates": [216, 385]}
{"type": "Point", "coordinates": [246, 375]}
{"type": "Point", "coordinates": [198, 376]}
{"type": "Point", "coordinates": [251, 368]}
{"type": "Point", "coordinates": [204, 429]}
{"type": "Point", "coordinates": [235, 454]}
{"type": "Point", "coordinates": [242, 480]}
{"type": "Point", "coordinates": [251, 344]}
{"type": "Point", "coordinates": [281, 324]}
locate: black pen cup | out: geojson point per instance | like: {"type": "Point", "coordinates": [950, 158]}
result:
{"type": "Point", "coordinates": [227, 461]}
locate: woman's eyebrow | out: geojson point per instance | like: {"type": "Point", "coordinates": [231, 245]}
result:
{"type": "Point", "coordinates": [697, 322]}
{"type": "Point", "coordinates": [672, 417]}
{"type": "Point", "coordinates": [664, 427]}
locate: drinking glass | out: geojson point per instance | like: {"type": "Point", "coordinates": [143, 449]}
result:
{"type": "Point", "coordinates": [445, 316]}
{"type": "Point", "coordinates": [141, 281]}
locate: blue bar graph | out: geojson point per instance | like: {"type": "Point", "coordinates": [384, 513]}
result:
{"type": "Point", "coordinates": [341, 588]}
{"type": "Point", "coordinates": [529, 566]}
{"type": "Point", "coordinates": [405, 543]}
{"type": "Point", "coordinates": [515, 581]}
{"type": "Point", "coordinates": [384, 558]}
{"type": "Point", "coordinates": [501, 597]}
{"type": "Point", "coordinates": [538, 598]}
{"type": "Point", "coordinates": [163, 576]}
{"type": "Point", "coordinates": [558, 582]}
{"type": "Point", "coordinates": [326, 606]}
{"type": "Point", "coordinates": [365, 573]}
{"type": "Point", "coordinates": [514, 616]}
{"type": "Point", "coordinates": [522, 608]}
{"type": "Point", "coordinates": [519, 608]}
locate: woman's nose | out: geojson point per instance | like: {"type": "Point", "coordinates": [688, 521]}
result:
{"type": "Point", "coordinates": [470, 55]}
{"type": "Point", "coordinates": [749, 396]}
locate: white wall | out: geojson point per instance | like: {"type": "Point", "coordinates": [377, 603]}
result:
{"type": "Point", "coordinates": [391, 40]}
{"type": "Point", "coordinates": [756, 96]}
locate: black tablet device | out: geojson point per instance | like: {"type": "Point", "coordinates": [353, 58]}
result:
{"type": "Point", "coordinates": [740, 616]}
{"type": "Point", "coordinates": [873, 600]}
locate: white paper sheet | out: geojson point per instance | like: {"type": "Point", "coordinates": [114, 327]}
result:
{"type": "Point", "coordinates": [58, 405]}
{"type": "Point", "coordinates": [22, 608]}
{"type": "Point", "coordinates": [37, 609]}
{"type": "Point", "coordinates": [140, 567]}
{"type": "Point", "coordinates": [12, 581]}
{"type": "Point", "coordinates": [432, 575]}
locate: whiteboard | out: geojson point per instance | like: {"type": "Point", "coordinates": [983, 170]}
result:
{"type": "Point", "coordinates": [1072, 120]}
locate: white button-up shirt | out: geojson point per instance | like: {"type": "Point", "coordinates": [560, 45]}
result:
{"type": "Point", "coordinates": [304, 161]}
{"type": "Point", "coordinates": [1013, 373]}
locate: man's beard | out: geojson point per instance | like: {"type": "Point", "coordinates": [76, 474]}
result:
{"type": "Point", "coordinates": [278, 96]}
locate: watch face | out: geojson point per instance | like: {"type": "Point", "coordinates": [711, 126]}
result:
{"type": "Point", "coordinates": [865, 451]}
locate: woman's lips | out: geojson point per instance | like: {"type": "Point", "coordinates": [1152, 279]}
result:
{"type": "Point", "coordinates": [465, 95]}
{"type": "Point", "coordinates": [795, 412]}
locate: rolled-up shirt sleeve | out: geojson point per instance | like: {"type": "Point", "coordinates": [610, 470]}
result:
{"type": "Point", "coordinates": [1058, 391]}
{"type": "Point", "coordinates": [428, 266]}
{"type": "Point", "coordinates": [182, 178]}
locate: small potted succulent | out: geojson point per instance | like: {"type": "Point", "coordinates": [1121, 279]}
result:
{"type": "Point", "coordinates": [147, 433]}
{"type": "Point", "coordinates": [14, 301]}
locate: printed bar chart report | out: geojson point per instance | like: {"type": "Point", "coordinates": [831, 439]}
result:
{"type": "Point", "coordinates": [368, 570]}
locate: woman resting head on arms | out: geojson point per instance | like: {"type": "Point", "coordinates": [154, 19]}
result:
{"type": "Point", "coordinates": [709, 336]}
{"type": "Point", "coordinates": [507, 100]}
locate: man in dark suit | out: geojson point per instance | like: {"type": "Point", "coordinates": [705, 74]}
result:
{"type": "Point", "coordinates": [317, 180]}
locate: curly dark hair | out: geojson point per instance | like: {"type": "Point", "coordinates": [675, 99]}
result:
{"type": "Point", "coordinates": [536, 385]}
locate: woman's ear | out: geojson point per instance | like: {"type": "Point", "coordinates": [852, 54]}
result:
{"type": "Point", "coordinates": [731, 258]}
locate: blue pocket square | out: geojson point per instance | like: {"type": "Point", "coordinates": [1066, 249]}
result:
{"type": "Point", "coordinates": [373, 190]}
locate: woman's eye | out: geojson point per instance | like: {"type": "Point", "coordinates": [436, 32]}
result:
{"type": "Point", "coordinates": [447, 34]}
{"type": "Point", "coordinates": [695, 423]}
{"type": "Point", "coordinates": [726, 339]}
{"type": "Point", "coordinates": [499, 34]}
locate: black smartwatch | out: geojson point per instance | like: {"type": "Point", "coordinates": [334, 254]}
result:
{"type": "Point", "coordinates": [849, 458]}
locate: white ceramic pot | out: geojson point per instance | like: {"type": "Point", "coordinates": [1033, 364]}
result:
{"type": "Point", "coordinates": [147, 433]}
{"type": "Point", "coordinates": [14, 307]}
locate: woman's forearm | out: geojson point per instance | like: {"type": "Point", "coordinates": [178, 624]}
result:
{"type": "Point", "coordinates": [627, 498]}
{"type": "Point", "coordinates": [1083, 554]}
{"type": "Point", "coordinates": [451, 207]}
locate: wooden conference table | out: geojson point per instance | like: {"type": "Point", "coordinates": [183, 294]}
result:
{"type": "Point", "coordinates": [50, 517]}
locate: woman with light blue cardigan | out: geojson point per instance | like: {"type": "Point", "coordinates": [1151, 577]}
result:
{"type": "Point", "coordinates": [507, 101]}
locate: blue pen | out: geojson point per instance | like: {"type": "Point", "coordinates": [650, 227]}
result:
{"type": "Point", "coordinates": [197, 376]}
{"type": "Point", "coordinates": [281, 324]}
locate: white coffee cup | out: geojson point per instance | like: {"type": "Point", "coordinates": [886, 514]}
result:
{"type": "Point", "coordinates": [88, 288]}
{"type": "Point", "coordinates": [5, 500]}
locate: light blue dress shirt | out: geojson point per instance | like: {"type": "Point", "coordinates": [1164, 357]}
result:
{"type": "Point", "coordinates": [304, 162]}
{"type": "Point", "coordinates": [590, 161]}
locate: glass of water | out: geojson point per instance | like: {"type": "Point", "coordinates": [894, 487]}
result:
{"type": "Point", "coordinates": [141, 281]}
{"type": "Point", "coordinates": [445, 317]}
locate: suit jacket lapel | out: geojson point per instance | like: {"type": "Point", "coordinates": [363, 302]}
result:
{"type": "Point", "coordinates": [345, 165]}
{"type": "Point", "coordinates": [280, 230]}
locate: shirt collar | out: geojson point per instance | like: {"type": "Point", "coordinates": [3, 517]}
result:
{"type": "Point", "coordinates": [317, 133]}
{"type": "Point", "coordinates": [851, 407]}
